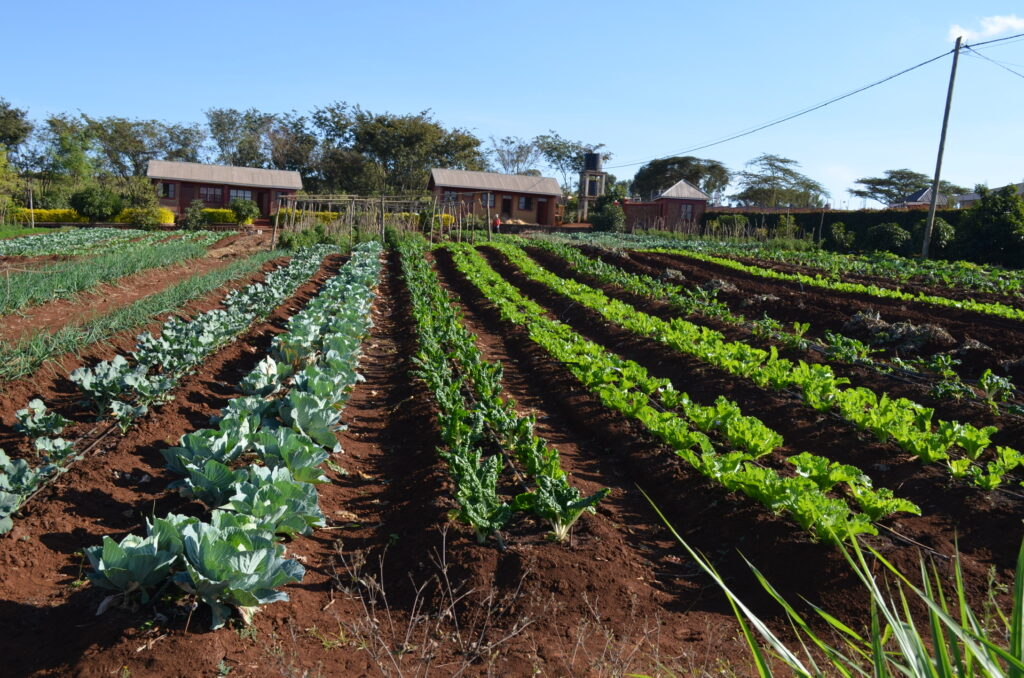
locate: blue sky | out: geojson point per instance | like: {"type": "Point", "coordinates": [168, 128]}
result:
{"type": "Point", "coordinates": [645, 78]}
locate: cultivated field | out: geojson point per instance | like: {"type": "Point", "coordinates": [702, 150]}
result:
{"type": "Point", "coordinates": [450, 459]}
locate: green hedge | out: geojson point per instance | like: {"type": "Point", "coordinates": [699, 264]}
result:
{"type": "Point", "coordinates": [856, 222]}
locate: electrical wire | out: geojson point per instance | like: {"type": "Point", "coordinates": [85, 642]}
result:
{"type": "Point", "coordinates": [993, 61]}
{"type": "Point", "coordinates": [989, 42]}
{"type": "Point", "coordinates": [786, 118]}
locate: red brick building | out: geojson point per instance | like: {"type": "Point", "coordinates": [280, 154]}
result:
{"type": "Point", "coordinates": [179, 183]}
{"type": "Point", "coordinates": [532, 200]}
{"type": "Point", "coordinates": [683, 204]}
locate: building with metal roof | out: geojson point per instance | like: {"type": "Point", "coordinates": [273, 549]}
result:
{"type": "Point", "coordinates": [179, 183]}
{"type": "Point", "coordinates": [679, 206]}
{"type": "Point", "coordinates": [529, 199]}
{"type": "Point", "coordinates": [921, 198]}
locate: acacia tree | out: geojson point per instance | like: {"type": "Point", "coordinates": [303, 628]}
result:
{"type": "Point", "coordinates": [896, 184]}
{"type": "Point", "coordinates": [710, 176]}
{"type": "Point", "coordinates": [773, 181]}
{"type": "Point", "coordinates": [513, 155]}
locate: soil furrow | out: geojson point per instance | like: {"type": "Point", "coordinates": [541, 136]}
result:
{"type": "Point", "coordinates": [948, 508]}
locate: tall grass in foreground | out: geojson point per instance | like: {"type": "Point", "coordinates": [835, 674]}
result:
{"type": "Point", "coordinates": [29, 353]}
{"type": "Point", "coordinates": [950, 645]}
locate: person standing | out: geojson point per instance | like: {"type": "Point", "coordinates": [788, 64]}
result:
{"type": "Point", "coordinates": [496, 224]}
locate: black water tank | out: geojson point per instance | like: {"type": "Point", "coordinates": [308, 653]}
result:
{"type": "Point", "coordinates": [592, 162]}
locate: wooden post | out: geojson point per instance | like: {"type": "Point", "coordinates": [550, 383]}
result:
{"type": "Point", "coordinates": [277, 216]}
{"type": "Point", "coordinates": [487, 197]}
{"type": "Point", "coordinates": [382, 220]}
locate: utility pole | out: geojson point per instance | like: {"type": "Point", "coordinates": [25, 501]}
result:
{"type": "Point", "coordinates": [938, 161]}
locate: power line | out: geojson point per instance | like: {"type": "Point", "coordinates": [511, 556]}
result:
{"type": "Point", "coordinates": [989, 42]}
{"type": "Point", "coordinates": [993, 61]}
{"type": "Point", "coordinates": [779, 121]}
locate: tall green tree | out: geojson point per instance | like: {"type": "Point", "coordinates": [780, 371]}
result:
{"type": "Point", "coordinates": [10, 186]}
{"type": "Point", "coordinates": [566, 156]}
{"type": "Point", "coordinates": [896, 184]}
{"type": "Point", "coordinates": [14, 125]}
{"type": "Point", "coordinates": [710, 176]}
{"type": "Point", "coordinates": [398, 150]}
{"type": "Point", "coordinates": [242, 138]}
{"type": "Point", "coordinates": [773, 181]}
{"type": "Point", "coordinates": [292, 142]}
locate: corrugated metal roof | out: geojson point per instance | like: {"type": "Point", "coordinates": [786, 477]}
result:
{"type": "Point", "coordinates": [223, 174]}
{"type": "Point", "coordinates": [684, 190]}
{"type": "Point", "coordinates": [492, 181]}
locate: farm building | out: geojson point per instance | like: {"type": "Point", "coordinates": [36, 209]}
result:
{"type": "Point", "coordinates": [179, 183]}
{"type": "Point", "coordinates": [532, 200]}
{"type": "Point", "coordinates": [918, 199]}
{"type": "Point", "coordinates": [679, 205]}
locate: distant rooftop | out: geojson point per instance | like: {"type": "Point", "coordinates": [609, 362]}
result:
{"type": "Point", "coordinates": [684, 190]}
{"type": "Point", "coordinates": [492, 181]}
{"type": "Point", "coordinates": [223, 174]}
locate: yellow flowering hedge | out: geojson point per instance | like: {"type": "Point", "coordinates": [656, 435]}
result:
{"type": "Point", "coordinates": [131, 216]}
{"type": "Point", "coordinates": [65, 216]}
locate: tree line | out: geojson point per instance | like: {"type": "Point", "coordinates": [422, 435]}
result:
{"type": "Point", "coordinates": [344, 148]}
{"type": "Point", "coordinates": [337, 148]}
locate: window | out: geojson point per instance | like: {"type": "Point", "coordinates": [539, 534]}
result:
{"type": "Point", "coordinates": [210, 194]}
{"type": "Point", "coordinates": [240, 194]}
{"type": "Point", "coordinates": [686, 212]}
{"type": "Point", "coordinates": [487, 200]}
{"type": "Point", "coordinates": [525, 203]}
{"type": "Point", "coordinates": [449, 196]}
{"type": "Point", "coordinates": [167, 190]}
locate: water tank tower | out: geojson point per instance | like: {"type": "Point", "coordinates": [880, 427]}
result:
{"type": "Point", "coordinates": [592, 182]}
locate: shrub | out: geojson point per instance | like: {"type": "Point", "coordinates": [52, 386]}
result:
{"type": "Point", "coordinates": [943, 234]}
{"type": "Point", "coordinates": [194, 217]}
{"type": "Point", "coordinates": [293, 240]}
{"type": "Point", "coordinates": [145, 217]}
{"type": "Point", "coordinates": [887, 237]}
{"type": "Point", "coordinates": [244, 210]}
{"type": "Point", "coordinates": [611, 217]}
{"type": "Point", "coordinates": [219, 215]}
{"type": "Point", "coordinates": [97, 204]}
{"type": "Point", "coordinates": [839, 238]}
{"type": "Point", "coordinates": [23, 215]}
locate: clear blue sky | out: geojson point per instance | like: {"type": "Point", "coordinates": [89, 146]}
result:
{"type": "Point", "coordinates": [645, 78]}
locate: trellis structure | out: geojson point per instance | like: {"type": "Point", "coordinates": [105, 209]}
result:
{"type": "Point", "coordinates": [348, 215]}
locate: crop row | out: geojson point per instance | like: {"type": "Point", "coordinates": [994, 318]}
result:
{"type": "Point", "coordinates": [908, 424]}
{"type": "Point", "coordinates": [837, 348]}
{"type": "Point", "coordinates": [258, 469]}
{"type": "Point", "coordinates": [75, 241]}
{"type": "Point", "coordinates": [672, 417]}
{"type": "Point", "coordinates": [29, 353]}
{"type": "Point", "coordinates": [473, 416]}
{"type": "Point", "coordinates": [69, 278]}
{"type": "Point", "coordinates": [952, 274]}
{"type": "Point", "coordinates": [125, 389]}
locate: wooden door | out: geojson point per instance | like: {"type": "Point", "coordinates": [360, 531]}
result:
{"type": "Point", "coordinates": [506, 205]}
{"type": "Point", "coordinates": [542, 212]}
